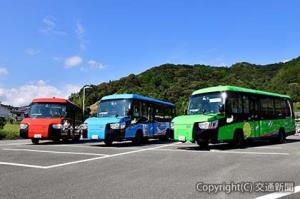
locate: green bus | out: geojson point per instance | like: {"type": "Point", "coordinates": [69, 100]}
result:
{"type": "Point", "coordinates": [234, 114]}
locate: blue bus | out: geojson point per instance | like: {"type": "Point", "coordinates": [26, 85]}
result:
{"type": "Point", "coordinates": [130, 117]}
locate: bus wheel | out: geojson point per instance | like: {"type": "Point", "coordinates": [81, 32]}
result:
{"type": "Point", "coordinates": [138, 140]}
{"type": "Point", "coordinates": [35, 141]}
{"type": "Point", "coordinates": [281, 137]}
{"type": "Point", "coordinates": [203, 144]}
{"type": "Point", "coordinates": [164, 138]}
{"type": "Point", "coordinates": [76, 139]}
{"type": "Point", "coordinates": [65, 140]}
{"type": "Point", "coordinates": [238, 140]}
{"type": "Point", "coordinates": [108, 141]}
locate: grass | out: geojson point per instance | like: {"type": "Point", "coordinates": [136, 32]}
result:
{"type": "Point", "coordinates": [10, 131]}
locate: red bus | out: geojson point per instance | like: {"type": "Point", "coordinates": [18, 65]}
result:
{"type": "Point", "coordinates": [52, 119]}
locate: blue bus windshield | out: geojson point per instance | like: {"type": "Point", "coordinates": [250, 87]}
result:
{"type": "Point", "coordinates": [114, 108]}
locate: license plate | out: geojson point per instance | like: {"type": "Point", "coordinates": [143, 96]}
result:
{"type": "Point", "coordinates": [182, 138]}
{"type": "Point", "coordinates": [95, 137]}
{"type": "Point", "coordinates": [37, 136]}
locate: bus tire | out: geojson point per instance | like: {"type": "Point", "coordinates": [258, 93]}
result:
{"type": "Point", "coordinates": [169, 134]}
{"type": "Point", "coordinates": [281, 137]}
{"type": "Point", "coordinates": [108, 141]}
{"type": "Point", "coordinates": [165, 137]}
{"type": "Point", "coordinates": [138, 140]}
{"type": "Point", "coordinates": [203, 144]}
{"type": "Point", "coordinates": [238, 140]}
{"type": "Point", "coordinates": [76, 139]}
{"type": "Point", "coordinates": [35, 141]}
{"type": "Point", "coordinates": [65, 140]}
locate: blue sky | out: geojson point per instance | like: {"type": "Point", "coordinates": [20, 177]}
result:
{"type": "Point", "coordinates": [53, 47]}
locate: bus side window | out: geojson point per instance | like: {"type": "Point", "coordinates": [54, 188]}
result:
{"type": "Point", "coordinates": [136, 109]}
{"type": "Point", "coordinates": [145, 112]}
{"type": "Point", "coordinates": [234, 104]}
{"type": "Point", "coordinates": [280, 106]}
{"type": "Point", "coordinates": [267, 107]}
{"type": "Point", "coordinates": [253, 107]}
{"type": "Point", "coordinates": [245, 104]}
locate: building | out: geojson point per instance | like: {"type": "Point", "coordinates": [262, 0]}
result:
{"type": "Point", "coordinates": [4, 111]}
{"type": "Point", "coordinates": [20, 112]}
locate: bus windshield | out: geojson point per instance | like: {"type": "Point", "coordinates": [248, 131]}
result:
{"type": "Point", "coordinates": [114, 108]}
{"type": "Point", "coordinates": [205, 103]}
{"type": "Point", "coordinates": [47, 110]}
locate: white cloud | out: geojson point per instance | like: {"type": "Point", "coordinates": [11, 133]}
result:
{"type": "Point", "coordinates": [96, 65]}
{"type": "Point", "coordinates": [80, 31]}
{"type": "Point", "coordinates": [24, 94]}
{"type": "Point", "coordinates": [3, 71]}
{"type": "Point", "coordinates": [49, 26]}
{"type": "Point", "coordinates": [31, 51]}
{"type": "Point", "coordinates": [73, 61]}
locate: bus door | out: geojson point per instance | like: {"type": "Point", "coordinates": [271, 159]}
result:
{"type": "Point", "coordinates": [158, 116]}
{"type": "Point", "coordinates": [254, 118]}
{"type": "Point", "coordinates": [151, 121]}
{"type": "Point", "coordinates": [147, 119]}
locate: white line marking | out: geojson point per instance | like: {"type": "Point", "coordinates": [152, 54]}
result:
{"type": "Point", "coordinates": [279, 194]}
{"type": "Point", "coordinates": [216, 151]}
{"type": "Point", "coordinates": [267, 147]}
{"type": "Point", "coordinates": [9, 144]}
{"type": "Point", "coordinates": [22, 165]}
{"type": "Point", "coordinates": [86, 160]}
{"type": "Point", "coordinates": [58, 152]}
{"type": "Point", "coordinates": [109, 156]}
{"type": "Point", "coordinates": [96, 146]}
{"type": "Point", "coordinates": [74, 162]}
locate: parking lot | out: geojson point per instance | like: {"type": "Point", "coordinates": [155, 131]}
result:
{"type": "Point", "coordinates": [154, 170]}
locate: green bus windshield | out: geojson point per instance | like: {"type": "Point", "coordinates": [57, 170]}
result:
{"type": "Point", "coordinates": [205, 103]}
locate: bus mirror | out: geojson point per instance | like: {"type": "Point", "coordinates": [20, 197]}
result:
{"type": "Point", "coordinates": [222, 108]}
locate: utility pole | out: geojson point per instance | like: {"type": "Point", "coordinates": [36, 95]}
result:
{"type": "Point", "coordinates": [83, 99]}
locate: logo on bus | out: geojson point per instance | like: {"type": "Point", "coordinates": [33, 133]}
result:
{"type": "Point", "coordinates": [247, 129]}
{"type": "Point", "coordinates": [270, 123]}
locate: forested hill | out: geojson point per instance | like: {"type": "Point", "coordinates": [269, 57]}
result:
{"type": "Point", "coordinates": [175, 83]}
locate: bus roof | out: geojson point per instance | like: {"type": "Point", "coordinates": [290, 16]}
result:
{"type": "Point", "coordinates": [52, 100]}
{"type": "Point", "coordinates": [135, 96]}
{"type": "Point", "coordinates": [238, 89]}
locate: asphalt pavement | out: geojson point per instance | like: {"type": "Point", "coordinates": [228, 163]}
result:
{"type": "Point", "coordinates": [153, 170]}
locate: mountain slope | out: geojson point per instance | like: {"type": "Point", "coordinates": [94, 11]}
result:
{"type": "Point", "coordinates": [175, 83]}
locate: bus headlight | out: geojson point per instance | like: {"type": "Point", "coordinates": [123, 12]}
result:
{"type": "Point", "coordinates": [118, 125]}
{"type": "Point", "coordinates": [208, 125]}
{"type": "Point", "coordinates": [172, 125]}
{"type": "Point", "coordinates": [57, 126]}
{"type": "Point", "coordinates": [23, 126]}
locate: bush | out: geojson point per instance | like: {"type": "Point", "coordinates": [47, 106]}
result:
{"type": "Point", "coordinates": [10, 131]}
{"type": "Point", "coordinates": [2, 122]}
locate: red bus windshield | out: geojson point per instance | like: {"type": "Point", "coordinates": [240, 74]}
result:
{"type": "Point", "coordinates": [47, 110]}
